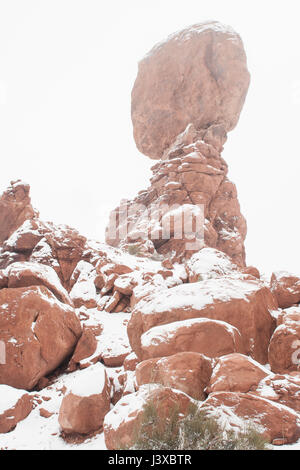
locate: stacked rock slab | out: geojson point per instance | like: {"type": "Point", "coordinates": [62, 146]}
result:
{"type": "Point", "coordinates": [188, 94]}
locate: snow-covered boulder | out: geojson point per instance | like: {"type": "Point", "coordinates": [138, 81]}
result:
{"type": "Point", "coordinates": [244, 304]}
{"type": "Point", "coordinates": [213, 338]}
{"type": "Point", "coordinates": [86, 402]}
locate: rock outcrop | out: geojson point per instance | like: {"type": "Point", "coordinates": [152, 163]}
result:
{"type": "Point", "coordinates": [188, 94]}
{"type": "Point", "coordinates": [15, 208]}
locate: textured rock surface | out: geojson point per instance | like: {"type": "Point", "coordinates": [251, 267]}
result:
{"type": "Point", "coordinates": [86, 402]}
{"type": "Point", "coordinates": [189, 372]}
{"type": "Point", "coordinates": [284, 349]}
{"type": "Point", "coordinates": [286, 288]}
{"type": "Point", "coordinates": [236, 373]}
{"type": "Point", "coordinates": [28, 274]}
{"type": "Point", "coordinates": [15, 208]}
{"type": "Point", "coordinates": [273, 420]}
{"type": "Point", "coordinates": [39, 332]}
{"type": "Point", "coordinates": [212, 338]}
{"type": "Point", "coordinates": [188, 94]}
{"type": "Point", "coordinates": [190, 203]}
{"type": "Point", "coordinates": [198, 75]}
{"type": "Point", "coordinates": [245, 305]}
{"type": "Point", "coordinates": [15, 406]}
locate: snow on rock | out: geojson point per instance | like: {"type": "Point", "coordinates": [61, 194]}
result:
{"type": "Point", "coordinates": [235, 410]}
{"type": "Point", "coordinates": [189, 372]}
{"type": "Point", "coordinates": [122, 422]}
{"type": "Point", "coordinates": [39, 332]}
{"type": "Point", "coordinates": [86, 401]}
{"type": "Point", "coordinates": [213, 338]}
{"type": "Point", "coordinates": [236, 373]}
{"type": "Point", "coordinates": [286, 288]}
{"type": "Point", "coordinates": [25, 274]}
{"type": "Point", "coordinates": [243, 304]}
{"type": "Point", "coordinates": [112, 344]}
{"type": "Point", "coordinates": [210, 263]}
{"type": "Point", "coordinates": [15, 405]}
{"type": "Point", "coordinates": [284, 347]}
{"type": "Point", "coordinates": [84, 290]}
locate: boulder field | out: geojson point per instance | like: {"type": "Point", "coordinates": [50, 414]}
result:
{"type": "Point", "coordinates": [91, 333]}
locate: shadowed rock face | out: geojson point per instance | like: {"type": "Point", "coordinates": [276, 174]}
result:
{"type": "Point", "coordinates": [198, 75]}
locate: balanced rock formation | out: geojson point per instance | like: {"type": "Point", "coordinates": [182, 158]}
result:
{"type": "Point", "coordinates": [188, 94]}
{"type": "Point", "coordinates": [166, 314]}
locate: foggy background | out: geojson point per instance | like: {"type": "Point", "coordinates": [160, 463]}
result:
{"type": "Point", "coordinates": [67, 68]}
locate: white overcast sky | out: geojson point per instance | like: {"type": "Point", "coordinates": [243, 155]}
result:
{"type": "Point", "coordinates": [66, 72]}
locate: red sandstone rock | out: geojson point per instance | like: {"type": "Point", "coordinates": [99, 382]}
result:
{"type": "Point", "coordinates": [171, 220]}
{"type": "Point", "coordinates": [283, 389]}
{"type": "Point", "coordinates": [212, 338]}
{"type": "Point", "coordinates": [245, 305]}
{"type": "Point", "coordinates": [45, 413]}
{"type": "Point", "coordinates": [286, 288]}
{"type": "Point", "coordinates": [86, 401]}
{"type": "Point", "coordinates": [284, 348]}
{"type": "Point", "coordinates": [15, 208]}
{"type": "Point", "coordinates": [236, 409]}
{"type": "Point", "coordinates": [130, 362]}
{"type": "Point", "coordinates": [236, 373]}
{"type": "Point", "coordinates": [39, 332]}
{"type": "Point", "coordinates": [121, 424]}
{"type": "Point", "coordinates": [187, 371]}
{"type": "Point", "coordinates": [15, 405]}
{"type": "Point", "coordinates": [28, 274]}
{"type": "Point", "coordinates": [198, 75]}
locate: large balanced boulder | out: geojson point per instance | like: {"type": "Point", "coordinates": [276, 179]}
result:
{"type": "Point", "coordinates": [15, 405]}
{"type": "Point", "coordinates": [246, 305]}
{"type": "Point", "coordinates": [213, 338]}
{"type": "Point", "coordinates": [39, 332]}
{"type": "Point", "coordinates": [198, 75]}
{"type": "Point", "coordinates": [239, 410]}
{"type": "Point", "coordinates": [186, 371]}
{"type": "Point", "coordinates": [123, 422]}
{"type": "Point", "coordinates": [86, 402]}
{"type": "Point", "coordinates": [236, 373]}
